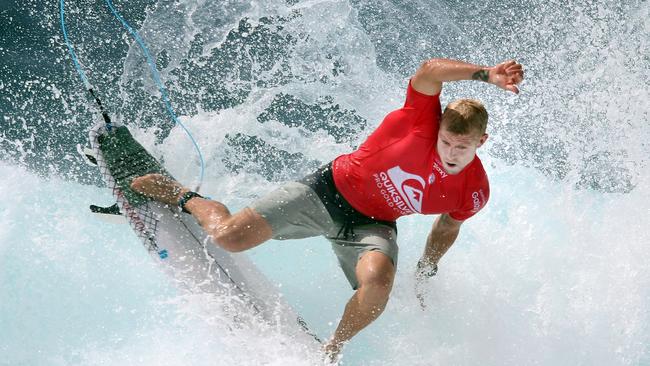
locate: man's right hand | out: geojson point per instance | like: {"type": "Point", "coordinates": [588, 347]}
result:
{"type": "Point", "coordinates": [507, 75]}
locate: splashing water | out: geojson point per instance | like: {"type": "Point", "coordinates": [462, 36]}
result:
{"type": "Point", "coordinates": [552, 272]}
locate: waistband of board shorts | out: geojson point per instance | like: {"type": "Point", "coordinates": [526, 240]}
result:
{"type": "Point", "coordinates": [322, 182]}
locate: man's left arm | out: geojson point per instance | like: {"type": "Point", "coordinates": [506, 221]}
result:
{"type": "Point", "coordinates": [442, 236]}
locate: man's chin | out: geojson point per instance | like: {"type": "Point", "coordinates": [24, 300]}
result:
{"type": "Point", "coordinates": [452, 168]}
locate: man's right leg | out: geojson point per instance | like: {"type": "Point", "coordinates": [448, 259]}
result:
{"type": "Point", "coordinates": [235, 233]}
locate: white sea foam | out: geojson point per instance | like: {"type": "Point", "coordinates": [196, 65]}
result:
{"type": "Point", "coordinates": [547, 274]}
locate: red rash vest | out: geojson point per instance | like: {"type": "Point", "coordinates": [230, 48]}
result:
{"type": "Point", "coordinates": [397, 170]}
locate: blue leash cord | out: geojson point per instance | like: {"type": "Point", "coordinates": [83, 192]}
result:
{"type": "Point", "coordinates": [80, 71]}
{"type": "Point", "coordinates": [77, 65]}
{"type": "Point", "coordinates": [154, 73]}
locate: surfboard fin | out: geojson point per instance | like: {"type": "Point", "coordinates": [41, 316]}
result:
{"type": "Point", "coordinates": [110, 214]}
{"type": "Point", "coordinates": [110, 210]}
{"type": "Point", "coordinates": [87, 154]}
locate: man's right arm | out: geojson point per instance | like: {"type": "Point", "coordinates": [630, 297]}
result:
{"type": "Point", "coordinates": [430, 76]}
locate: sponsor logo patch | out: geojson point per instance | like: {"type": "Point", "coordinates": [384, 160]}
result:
{"type": "Point", "coordinates": [404, 192]}
{"type": "Point", "coordinates": [442, 172]}
{"type": "Point", "coordinates": [478, 200]}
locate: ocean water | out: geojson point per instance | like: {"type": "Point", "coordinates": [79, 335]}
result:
{"type": "Point", "coordinates": [553, 272]}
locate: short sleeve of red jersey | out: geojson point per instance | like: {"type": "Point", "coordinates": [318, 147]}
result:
{"type": "Point", "coordinates": [475, 198]}
{"type": "Point", "coordinates": [428, 110]}
{"type": "Point", "coordinates": [415, 99]}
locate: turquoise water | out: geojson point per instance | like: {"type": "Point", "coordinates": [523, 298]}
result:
{"type": "Point", "coordinates": [552, 272]}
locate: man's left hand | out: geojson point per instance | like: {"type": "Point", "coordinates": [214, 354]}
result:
{"type": "Point", "coordinates": [424, 270]}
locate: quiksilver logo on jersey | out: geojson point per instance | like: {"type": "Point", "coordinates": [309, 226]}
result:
{"type": "Point", "coordinates": [402, 191]}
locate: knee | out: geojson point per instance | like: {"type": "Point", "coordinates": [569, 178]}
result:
{"type": "Point", "coordinates": [376, 283]}
{"type": "Point", "coordinates": [240, 231]}
{"type": "Point", "coordinates": [376, 269]}
{"type": "Point", "coordinates": [378, 286]}
{"type": "Point", "coordinates": [373, 295]}
{"type": "Point", "coordinates": [228, 237]}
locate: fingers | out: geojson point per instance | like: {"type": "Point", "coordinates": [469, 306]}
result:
{"type": "Point", "coordinates": [420, 294]}
{"type": "Point", "coordinates": [515, 71]}
{"type": "Point", "coordinates": [512, 88]}
{"type": "Point", "coordinates": [422, 301]}
{"type": "Point", "coordinates": [511, 71]}
{"type": "Point", "coordinates": [507, 75]}
{"type": "Point", "coordinates": [514, 75]}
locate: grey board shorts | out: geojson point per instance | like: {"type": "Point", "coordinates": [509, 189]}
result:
{"type": "Point", "coordinates": [296, 211]}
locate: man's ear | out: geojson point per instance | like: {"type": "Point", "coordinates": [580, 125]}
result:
{"type": "Point", "coordinates": [482, 140]}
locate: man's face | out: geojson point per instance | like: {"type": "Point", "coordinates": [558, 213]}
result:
{"type": "Point", "coordinates": [457, 151]}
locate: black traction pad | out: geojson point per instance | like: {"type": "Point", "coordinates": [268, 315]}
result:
{"type": "Point", "coordinates": [126, 159]}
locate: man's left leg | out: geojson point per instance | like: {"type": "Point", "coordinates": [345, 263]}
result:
{"type": "Point", "coordinates": [375, 273]}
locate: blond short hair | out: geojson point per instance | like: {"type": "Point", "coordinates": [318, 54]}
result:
{"type": "Point", "coordinates": [465, 116]}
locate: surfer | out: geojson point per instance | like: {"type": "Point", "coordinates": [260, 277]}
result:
{"type": "Point", "coordinates": [419, 160]}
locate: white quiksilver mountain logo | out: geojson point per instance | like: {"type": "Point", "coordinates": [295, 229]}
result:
{"type": "Point", "coordinates": [403, 192]}
{"type": "Point", "coordinates": [410, 193]}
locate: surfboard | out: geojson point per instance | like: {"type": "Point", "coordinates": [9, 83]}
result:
{"type": "Point", "coordinates": [176, 241]}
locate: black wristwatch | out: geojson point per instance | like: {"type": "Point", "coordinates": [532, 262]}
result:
{"type": "Point", "coordinates": [185, 198]}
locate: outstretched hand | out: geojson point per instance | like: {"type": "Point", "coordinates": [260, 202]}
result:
{"type": "Point", "coordinates": [423, 272]}
{"type": "Point", "coordinates": [507, 75]}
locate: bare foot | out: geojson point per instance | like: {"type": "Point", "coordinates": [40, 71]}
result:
{"type": "Point", "coordinates": [159, 187]}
